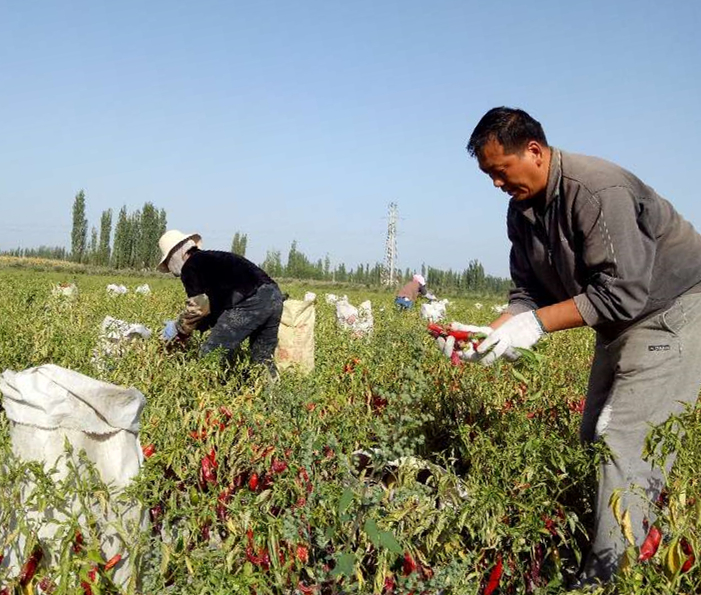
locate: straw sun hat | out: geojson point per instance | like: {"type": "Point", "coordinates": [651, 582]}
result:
{"type": "Point", "coordinates": [170, 241]}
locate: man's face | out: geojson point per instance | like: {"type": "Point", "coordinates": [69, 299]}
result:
{"type": "Point", "coordinates": [521, 175]}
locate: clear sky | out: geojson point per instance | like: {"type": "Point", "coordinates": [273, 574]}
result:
{"type": "Point", "coordinates": [304, 119]}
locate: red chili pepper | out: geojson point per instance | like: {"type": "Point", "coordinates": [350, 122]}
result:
{"type": "Point", "coordinates": [687, 549]}
{"type": "Point", "coordinates": [494, 577]}
{"type": "Point", "coordinates": [409, 564]}
{"type": "Point", "coordinates": [278, 466]}
{"type": "Point", "coordinates": [47, 585]}
{"type": "Point", "coordinates": [148, 450]}
{"type": "Point", "coordinates": [253, 482]}
{"type": "Point", "coordinates": [305, 589]}
{"type": "Point", "coordinates": [112, 562]}
{"type": "Point", "coordinates": [78, 542]}
{"type": "Point", "coordinates": [650, 545]}
{"type": "Point", "coordinates": [302, 554]}
{"type": "Point", "coordinates": [30, 566]}
{"type": "Point", "coordinates": [208, 470]}
{"type": "Point", "coordinates": [87, 589]}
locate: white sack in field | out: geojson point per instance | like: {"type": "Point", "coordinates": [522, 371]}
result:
{"type": "Point", "coordinates": [358, 320]}
{"type": "Point", "coordinates": [113, 289]}
{"type": "Point", "coordinates": [48, 406]}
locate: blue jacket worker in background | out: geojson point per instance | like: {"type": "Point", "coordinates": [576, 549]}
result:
{"type": "Point", "coordinates": [227, 293]}
{"type": "Point", "coordinates": [591, 244]}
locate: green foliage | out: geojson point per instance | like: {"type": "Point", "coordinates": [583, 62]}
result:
{"type": "Point", "coordinates": [79, 231]}
{"type": "Point", "coordinates": [385, 471]}
{"type": "Point", "coordinates": [238, 244]}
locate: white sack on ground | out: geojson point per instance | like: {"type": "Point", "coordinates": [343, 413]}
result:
{"type": "Point", "coordinates": [68, 290]}
{"type": "Point", "coordinates": [113, 289]}
{"type": "Point", "coordinates": [358, 320]}
{"type": "Point", "coordinates": [48, 406]}
{"type": "Point", "coordinates": [115, 337]}
{"type": "Point", "coordinates": [434, 311]}
{"type": "Point", "coordinates": [143, 289]}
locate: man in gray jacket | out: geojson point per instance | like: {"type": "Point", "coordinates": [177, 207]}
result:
{"type": "Point", "coordinates": [592, 245]}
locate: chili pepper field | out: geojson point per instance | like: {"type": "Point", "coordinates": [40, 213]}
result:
{"type": "Point", "coordinates": [385, 471]}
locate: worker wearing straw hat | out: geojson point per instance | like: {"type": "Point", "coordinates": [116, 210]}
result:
{"type": "Point", "coordinates": [227, 293]}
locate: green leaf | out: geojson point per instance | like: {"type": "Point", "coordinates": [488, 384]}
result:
{"type": "Point", "coordinates": [344, 565]}
{"type": "Point", "coordinates": [373, 533]}
{"type": "Point", "coordinates": [346, 500]}
{"type": "Point", "coordinates": [388, 541]}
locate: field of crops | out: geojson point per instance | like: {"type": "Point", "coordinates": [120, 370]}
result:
{"type": "Point", "coordinates": [470, 480]}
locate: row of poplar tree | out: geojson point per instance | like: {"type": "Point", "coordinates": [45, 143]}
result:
{"type": "Point", "coordinates": [136, 234]}
{"type": "Point", "coordinates": [135, 246]}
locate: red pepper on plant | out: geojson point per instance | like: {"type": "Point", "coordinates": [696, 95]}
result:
{"type": "Point", "coordinates": [494, 577]}
{"type": "Point", "coordinates": [691, 558]}
{"type": "Point", "coordinates": [148, 450]}
{"type": "Point", "coordinates": [409, 564]}
{"type": "Point", "coordinates": [112, 562]}
{"type": "Point", "coordinates": [77, 542]}
{"type": "Point", "coordinates": [30, 566]}
{"type": "Point", "coordinates": [651, 543]}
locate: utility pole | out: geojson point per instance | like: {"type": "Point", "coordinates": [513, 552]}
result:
{"type": "Point", "coordinates": [389, 273]}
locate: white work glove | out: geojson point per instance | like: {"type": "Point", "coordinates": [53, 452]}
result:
{"type": "Point", "coordinates": [430, 297]}
{"type": "Point", "coordinates": [170, 331]}
{"type": "Point", "coordinates": [520, 331]}
{"type": "Point", "coordinates": [447, 344]}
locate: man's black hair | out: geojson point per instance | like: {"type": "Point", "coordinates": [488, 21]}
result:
{"type": "Point", "coordinates": [512, 128]}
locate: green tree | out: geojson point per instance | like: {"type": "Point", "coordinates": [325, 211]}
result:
{"type": "Point", "coordinates": [239, 243]}
{"type": "Point", "coordinates": [103, 250]}
{"type": "Point", "coordinates": [121, 248]}
{"type": "Point", "coordinates": [147, 252]}
{"type": "Point", "coordinates": [92, 250]}
{"type": "Point", "coordinates": [79, 233]}
{"type": "Point", "coordinates": [273, 263]}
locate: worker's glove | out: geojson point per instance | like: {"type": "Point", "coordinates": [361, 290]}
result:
{"type": "Point", "coordinates": [196, 308]}
{"type": "Point", "coordinates": [170, 331]}
{"type": "Point", "coordinates": [466, 351]}
{"type": "Point", "coordinates": [520, 331]}
{"type": "Point", "coordinates": [430, 297]}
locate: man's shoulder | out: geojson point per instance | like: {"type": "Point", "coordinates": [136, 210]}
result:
{"type": "Point", "coordinates": [593, 173]}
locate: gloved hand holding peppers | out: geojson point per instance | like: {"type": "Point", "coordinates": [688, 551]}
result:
{"type": "Point", "coordinates": [466, 349]}
{"type": "Point", "coordinates": [520, 331]}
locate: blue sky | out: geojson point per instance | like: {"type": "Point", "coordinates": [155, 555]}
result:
{"type": "Point", "coordinates": [303, 120]}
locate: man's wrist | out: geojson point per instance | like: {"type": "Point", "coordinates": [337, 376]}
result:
{"type": "Point", "coordinates": [539, 321]}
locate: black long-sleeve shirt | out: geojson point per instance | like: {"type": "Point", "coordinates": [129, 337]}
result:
{"type": "Point", "coordinates": [225, 277]}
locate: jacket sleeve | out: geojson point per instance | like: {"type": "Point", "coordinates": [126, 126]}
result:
{"type": "Point", "coordinates": [618, 252]}
{"type": "Point", "coordinates": [525, 294]}
{"type": "Point", "coordinates": [191, 281]}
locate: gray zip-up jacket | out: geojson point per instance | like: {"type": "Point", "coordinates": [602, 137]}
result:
{"type": "Point", "coordinates": [604, 238]}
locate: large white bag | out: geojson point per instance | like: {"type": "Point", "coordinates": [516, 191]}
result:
{"type": "Point", "coordinates": [295, 344]}
{"type": "Point", "coordinates": [49, 405]}
{"type": "Point", "coordinates": [434, 311]}
{"type": "Point", "coordinates": [358, 320]}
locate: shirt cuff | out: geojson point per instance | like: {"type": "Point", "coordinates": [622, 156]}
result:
{"type": "Point", "coordinates": [586, 310]}
{"type": "Point", "coordinates": [519, 308]}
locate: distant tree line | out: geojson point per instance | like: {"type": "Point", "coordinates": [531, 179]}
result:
{"type": "Point", "coordinates": [473, 279]}
{"type": "Point", "coordinates": [135, 246]}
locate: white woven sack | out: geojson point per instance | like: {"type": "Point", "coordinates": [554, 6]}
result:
{"type": "Point", "coordinates": [49, 405]}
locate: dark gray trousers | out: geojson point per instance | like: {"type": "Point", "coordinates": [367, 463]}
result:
{"type": "Point", "coordinates": [257, 317]}
{"type": "Point", "coordinates": [637, 380]}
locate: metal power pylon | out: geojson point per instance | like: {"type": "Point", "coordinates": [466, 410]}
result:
{"type": "Point", "coordinates": [389, 274]}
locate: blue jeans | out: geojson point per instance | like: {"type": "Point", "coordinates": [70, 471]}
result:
{"type": "Point", "coordinates": [403, 303]}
